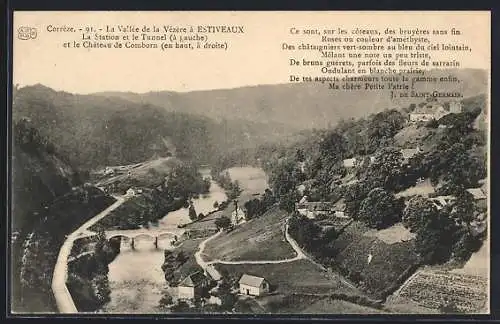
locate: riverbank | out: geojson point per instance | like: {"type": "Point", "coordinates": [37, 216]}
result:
{"type": "Point", "coordinates": [136, 279]}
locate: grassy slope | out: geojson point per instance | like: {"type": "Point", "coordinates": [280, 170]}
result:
{"type": "Point", "coordinates": [294, 277]}
{"type": "Point", "coordinates": [259, 239]}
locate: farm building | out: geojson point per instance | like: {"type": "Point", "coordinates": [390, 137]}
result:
{"type": "Point", "coordinates": [192, 286]}
{"type": "Point", "coordinates": [480, 197]}
{"type": "Point", "coordinates": [252, 285]}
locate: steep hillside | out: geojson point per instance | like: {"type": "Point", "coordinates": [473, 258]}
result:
{"type": "Point", "coordinates": [97, 131]}
{"type": "Point", "coordinates": [49, 201]}
{"type": "Point", "coordinates": [39, 174]}
{"type": "Point", "coordinates": [303, 105]}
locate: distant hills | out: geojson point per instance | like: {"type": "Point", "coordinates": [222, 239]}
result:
{"type": "Point", "coordinates": [302, 105]}
{"type": "Point", "coordinates": [113, 128]}
{"type": "Point", "coordinates": [94, 131]}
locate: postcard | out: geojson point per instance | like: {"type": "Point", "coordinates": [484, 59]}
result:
{"type": "Point", "coordinates": [250, 162]}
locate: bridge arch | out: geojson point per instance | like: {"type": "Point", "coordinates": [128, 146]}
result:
{"type": "Point", "coordinates": [120, 235]}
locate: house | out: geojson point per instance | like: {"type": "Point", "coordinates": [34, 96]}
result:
{"type": "Point", "coordinates": [409, 153]}
{"type": "Point", "coordinates": [212, 273]}
{"type": "Point", "coordinates": [253, 285]}
{"type": "Point", "coordinates": [441, 201]}
{"type": "Point", "coordinates": [313, 209]}
{"type": "Point", "coordinates": [428, 112]}
{"type": "Point", "coordinates": [349, 163]}
{"type": "Point", "coordinates": [192, 286]}
{"type": "Point", "coordinates": [109, 171]}
{"type": "Point", "coordinates": [479, 196]}
{"type": "Point", "coordinates": [130, 192]}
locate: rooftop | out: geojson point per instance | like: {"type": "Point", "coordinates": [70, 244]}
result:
{"type": "Point", "coordinates": [477, 193]}
{"type": "Point", "coordinates": [250, 280]}
{"type": "Point", "coordinates": [193, 280]}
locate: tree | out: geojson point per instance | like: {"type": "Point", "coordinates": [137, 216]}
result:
{"type": "Point", "coordinates": [333, 147]}
{"type": "Point", "coordinates": [288, 200]}
{"type": "Point", "coordinates": [435, 239]}
{"type": "Point", "coordinates": [305, 231]}
{"type": "Point", "coordinates": [380, 209]}
{"type": "Point", "coordinates": [254, 207]}
{"type": "Point", "coordinates": [268, 198]}
{"type": "Point", "coordinates": [166, 300]}
{"type": "Point", "coordinates": [223, 222]}
{"type": "Point", "coordinates": [461, 208]}
{"type": "Point", "coordinates": [353, 196]}
{"type": "Point", "coordinates": [192, 213]}
{"type": "Point", "coordinates": [386, 171]}
{"type": "Point", "coordinates": [419, 209]}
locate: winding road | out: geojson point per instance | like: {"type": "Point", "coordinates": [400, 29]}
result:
{"type": "Point", "coordinates": [64, 301]}
{"type": "Point", "coordinates": [204, 265]}
{"type": "Point", "coordinates": [301, 255]}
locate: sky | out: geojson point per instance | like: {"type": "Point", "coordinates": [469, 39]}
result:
{"type": "Point", "coordinates": [254, 57]}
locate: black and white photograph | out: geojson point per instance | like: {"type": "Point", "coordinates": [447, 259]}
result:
{"type": "Point", "coordinates": [250, 163]}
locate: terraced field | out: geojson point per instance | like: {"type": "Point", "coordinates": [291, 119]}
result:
{"type": "Point", "coordinates": [435, 289]}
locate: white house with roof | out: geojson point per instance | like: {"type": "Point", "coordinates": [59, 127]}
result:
{"type": "Point", "coordinates": [253, 285]}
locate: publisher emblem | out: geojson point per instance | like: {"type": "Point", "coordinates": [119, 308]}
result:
{"type": "Point", "coordinates": [26, 33]}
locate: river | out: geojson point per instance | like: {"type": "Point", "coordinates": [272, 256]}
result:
{"type": "Point", "coordinates": [135, 276]}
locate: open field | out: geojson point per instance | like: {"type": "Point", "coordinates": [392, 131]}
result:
{"type": "Point", "coordinates": [410, 136]}
{"type": "Point", "coordinates": [143, 174]}
{"type": "Point", "coordinates": [262, 238]}
{"type": "Point", "coordinates": [434, 289]}
{"type": "Point", "coordinates": [372, 263]}
{"type": "Point", "coordinates": [293, 277]}
{"type": "Point", "coordinates": [394, 234]}
{"type": "Point", "coordinates": [478, 263]}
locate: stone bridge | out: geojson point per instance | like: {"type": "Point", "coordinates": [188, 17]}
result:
{"type": "Point", "coordinates": [153, 234]}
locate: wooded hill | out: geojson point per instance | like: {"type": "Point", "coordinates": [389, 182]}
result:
{"type": "Point", "coordinates": [301, 105]}
{"type": "Point", "coordinates": [95, 131]}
